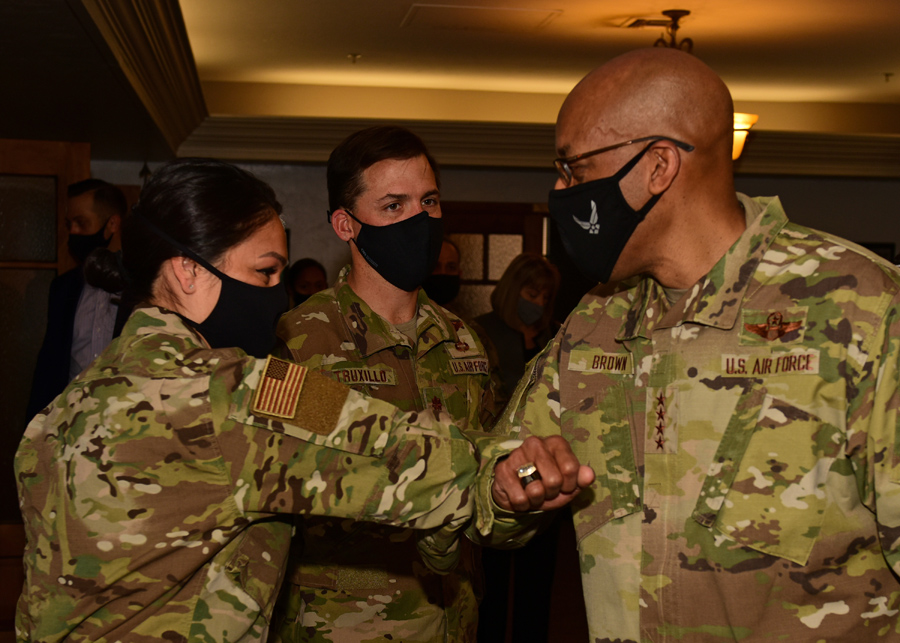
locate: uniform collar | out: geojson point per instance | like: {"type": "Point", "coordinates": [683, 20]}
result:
{"type": "Point", "coordinates": [716, 299]}
{"type": "Point", "coordinates": [372, 333]}
{"type": "Point", "coordinates": [152, 320]}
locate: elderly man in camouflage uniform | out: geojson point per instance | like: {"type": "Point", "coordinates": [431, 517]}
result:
{"type": "Point", "coordinates": [738, 400]}
{"type": "Point", "coordinates": [377, 331]}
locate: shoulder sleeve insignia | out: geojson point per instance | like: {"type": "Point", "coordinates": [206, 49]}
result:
{"type": "Point", "coordinates": [279, 388]}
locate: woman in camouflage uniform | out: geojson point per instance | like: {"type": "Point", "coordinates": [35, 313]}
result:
{"type": "Point", "coordinates": [152, 488]}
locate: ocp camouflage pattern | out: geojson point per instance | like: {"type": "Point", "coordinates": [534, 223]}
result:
{"type": "Point", "coordinates": [745, 440]}
{"type": "Point", "coordinates": [154, 500]}
{"type": "Point", "coordinates": [362, 582]}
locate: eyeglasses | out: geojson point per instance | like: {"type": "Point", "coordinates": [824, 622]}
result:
{"type": "Point", "coordinates": [564, 165]}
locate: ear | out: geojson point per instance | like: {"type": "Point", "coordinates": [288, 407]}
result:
{"type": "Point", "coordinates": [666, 163]}
{"type": "Point", "coordinates": [342, 225]}
{"type": "Point", "coordinates": [185, 270]}
{"type": "Point", "coordinates": [113, 226]}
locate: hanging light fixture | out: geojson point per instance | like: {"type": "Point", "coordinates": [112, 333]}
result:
{"type": "Point", "coordinates": [742, 122]}
{"type": "Point", "coordinates": [674, 15]}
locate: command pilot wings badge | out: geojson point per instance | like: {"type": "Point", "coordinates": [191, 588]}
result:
{"type": "Point", "coordinates": [590, 225]}
{"type": "Point", "coordinates": [774, 328]}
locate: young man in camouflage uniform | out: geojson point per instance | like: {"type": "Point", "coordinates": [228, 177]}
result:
{"type": "Point", "coordinates": [377, 331]}
{"type": "Point", "coordinates": [737, 395]}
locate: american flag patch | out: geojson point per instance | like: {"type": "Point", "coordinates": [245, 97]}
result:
{"type": "Point", "coordinates": [279, 389]}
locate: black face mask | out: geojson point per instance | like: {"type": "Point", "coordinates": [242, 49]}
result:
{"type": "Point", "coordinates": [595, 221]}
{"type": "Point", "coordinates": [404, 253]}
{"type": "Point", "coordinates": [442, 288]}
{"type": "Point", "coordinates": [81, 245]}
{"type": "Point", "coordinates": [245, 315]}
{"type": "Point", "coordinates": [529, 313]}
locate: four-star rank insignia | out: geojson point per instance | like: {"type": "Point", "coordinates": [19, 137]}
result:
{"type": "Point", "coordinates": [775, 326]}
{"type": "Point", "coordinates": [662, 425]}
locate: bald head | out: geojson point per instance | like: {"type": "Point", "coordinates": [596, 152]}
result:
{"type": "Point", "coordinates": [682, 198]}
{"type": "Point", "coordinates": [653, 91]}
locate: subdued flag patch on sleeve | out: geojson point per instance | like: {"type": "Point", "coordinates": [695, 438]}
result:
{"type": "Point", "coordinates": [279, 388]}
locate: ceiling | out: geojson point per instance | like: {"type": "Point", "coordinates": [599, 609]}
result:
{"type": "Point", "coordinates": [286, 79]}
{"type": "Point", "coordinates": [766, 50]}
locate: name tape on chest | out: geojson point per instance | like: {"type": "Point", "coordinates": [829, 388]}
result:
{"type": "Point", "coordinates": [378, 375]}
{"type": "Point", "coordinates": [469, 366]}
{"type": "Point", "coordinates": [279, 388]}
{"type": "Point", "coordinates": [803, 362]}
{"type": "Point", "coordinates": [596, 361]}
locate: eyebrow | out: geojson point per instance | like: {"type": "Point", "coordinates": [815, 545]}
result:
{"type": "Point", "coordinates": [401, 197]}
{"type": "Point", "coordinates": [276, 255]}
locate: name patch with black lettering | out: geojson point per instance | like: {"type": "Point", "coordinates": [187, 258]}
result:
{"type": "Point", "coordinates": [469, 366]}
{"type": "Point", "coordinates": [381, 376]}
{"type": "Point", "coordinates": [596, 361]}
{"type": "Point", "coordinates": [800, 362]}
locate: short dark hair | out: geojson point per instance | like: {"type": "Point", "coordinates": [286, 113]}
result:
{"type": "Point", "coordinates": [205, 205]}
{"type": "Point", "coordinates": [362, 150]}
{"type": "Point", "coordinates": [108, 198]}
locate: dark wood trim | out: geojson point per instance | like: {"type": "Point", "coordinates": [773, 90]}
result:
{"type": "Point", "coordinates": [513, 145]}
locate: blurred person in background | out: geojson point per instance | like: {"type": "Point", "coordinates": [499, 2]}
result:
{"type": "Point", "coordinates": [521, 320]}
{"type": "Point", "coordinates": [442, 285]}
{"type": "Point", "coordinates": [305, 277]}
{"type": "Point", "coordinates": [80, 317]}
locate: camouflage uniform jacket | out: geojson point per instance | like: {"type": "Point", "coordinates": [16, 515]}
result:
{"type": "Point", "coordinates": [360, 582]}
{"type": "Point", "coordinates": [151, 488]}
{"type": "Point", "coordinates": [745, 440]}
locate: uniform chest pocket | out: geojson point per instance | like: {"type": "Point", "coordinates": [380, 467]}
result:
{"type": "Point", "coordinates": [766, 487]}
{"type": "Point", "coordinates": [606, 445]}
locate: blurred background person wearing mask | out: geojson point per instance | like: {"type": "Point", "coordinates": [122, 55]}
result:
{"type": "Point", "coordinates": [521, 320]}
{"type": "Point", "coordinates": [442, 285]}
{"type": "Point", "coordinates": [305, 277]}
{"type": "Point", "coordinates": [80, 317]}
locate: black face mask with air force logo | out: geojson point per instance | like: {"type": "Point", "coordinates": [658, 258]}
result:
{"type": "Point", "coordinates": [595, 221]}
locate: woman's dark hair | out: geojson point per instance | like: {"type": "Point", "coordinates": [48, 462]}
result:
{"type": "Point", "coordinates": [207, 206]}
{"type": "Point", "coordinates": [360, 151]}
{"type": "Point", "coordinates": [526, 270]}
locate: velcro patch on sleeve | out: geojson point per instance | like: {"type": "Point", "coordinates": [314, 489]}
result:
{"type": "Point", "coordinates": [321, 404]}
{"type": "Point", "coordinates": [279, 388]}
